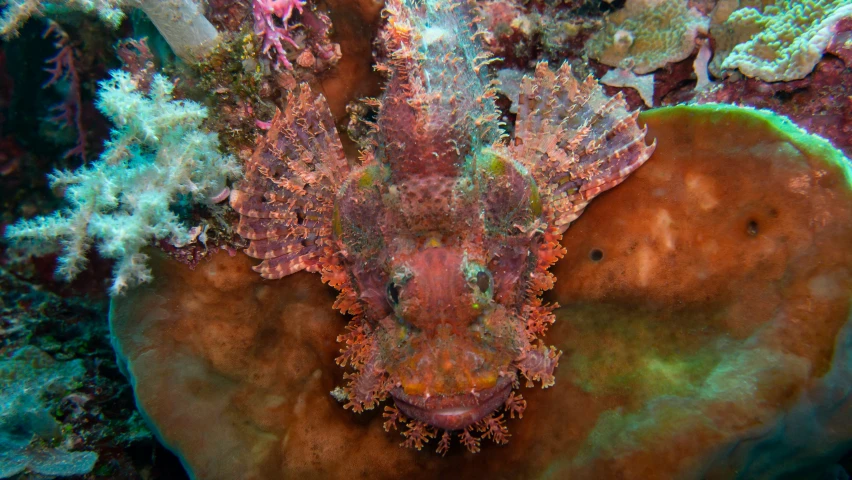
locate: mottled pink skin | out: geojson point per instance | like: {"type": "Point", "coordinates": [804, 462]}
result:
{"type": "Point", "coordinates": [441, 237]}
{"type": "Point", "coordinates": [443, 306]}
{"type": "Point", "coordinates": [453, 413]}
{"type": "Point", "coordinates": [436, 232]}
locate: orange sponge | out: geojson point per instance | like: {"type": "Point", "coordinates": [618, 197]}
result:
{"type": "Point", "coordinates": [705, 325]}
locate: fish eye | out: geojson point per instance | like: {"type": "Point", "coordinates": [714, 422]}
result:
{"type": "Point", "coordinates": [393, 294]}
{"type": "Point", "coordinates": [483, 281]}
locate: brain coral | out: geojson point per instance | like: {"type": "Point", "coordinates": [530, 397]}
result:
{"type": "Point", "coordinates": [705, 320]}
{"type": "Point", "coordinates": [627, 40]}
{"type": "Point", "coordinates": [783, 43]}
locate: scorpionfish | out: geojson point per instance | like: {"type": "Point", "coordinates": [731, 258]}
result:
{"type": "Point", "coordinates": [439, 238]}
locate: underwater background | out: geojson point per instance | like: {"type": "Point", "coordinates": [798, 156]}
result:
{"type": "Point", "coordinates": [704, 320]}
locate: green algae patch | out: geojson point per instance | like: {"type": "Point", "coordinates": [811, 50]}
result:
{"type": "Point", "coordinates": [491, 163]}
{"type": "Point", "coordinates": [717, 299]}
{"type": "Point", "coordinates": [535, 198]}
{"type": "Point", "coordinates": [633, 359]}
{"type": "Point", "coordinates": [765, 121]}
{"type": "Point", "coordinates": [372, 176]}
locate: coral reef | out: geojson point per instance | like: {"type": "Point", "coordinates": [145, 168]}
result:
{"type": "Point", "coordinates": [754, 308]}
{"type": "Point", "coordinates": [507, 27]}
{"type": "Point", "coordinates": [784, 42]}
{"type": "Point", "coordinates": [697, 315]}
{"type": "Point", "coordinates": [627, 42]}
{"type": "Point", "coordinates": [183, 24]}
{"type": "Point", "coordinates": [63, 401]}
{"type": "Point", "coordinates": [158, 157]}
{"type": "Point", "coordinates": [704, 326]}
{"type": "Point", "coordinates": [57, 360]}
{"type": "Point", "coordinates": [522, 32]}
{"type": "Point", "coordinates": [841, 42]}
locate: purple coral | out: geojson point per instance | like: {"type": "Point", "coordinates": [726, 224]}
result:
{"type": "Point", "coordinates": [265, 25]}
{"type": "Point", "coordinates": [63, 67]}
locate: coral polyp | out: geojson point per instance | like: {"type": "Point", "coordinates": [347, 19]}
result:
{"type": "Point", "coordinates": [440, 237]}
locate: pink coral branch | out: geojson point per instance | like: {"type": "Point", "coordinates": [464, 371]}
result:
{"type": "Point", "coordinates": [138, 61]}
{"type": "Point", "coordinates": [62, 66]}
{"type": "Point", "coordinates": [266, 14]}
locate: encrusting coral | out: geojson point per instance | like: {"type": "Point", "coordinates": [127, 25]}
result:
{"type": "Point", "coordinates": [626, 40]}
{"type": "Point", "coordinates": [783, 42]}
{"type": "Point", "coordinates": [158, 156]}
{"type": "Point", "coordinates": [705, 305]}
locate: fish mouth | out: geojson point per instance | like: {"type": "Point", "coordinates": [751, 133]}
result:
{"type": "Point", "coordinates": [454, 412]}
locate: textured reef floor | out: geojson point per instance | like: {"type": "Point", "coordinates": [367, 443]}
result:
{"type": "Point", "coordinates": [705, 323]}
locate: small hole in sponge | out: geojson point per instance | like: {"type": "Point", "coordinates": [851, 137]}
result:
{"type": "Point", "coordinates": [751, 227]}
{"type": "Point", "coordinates": [596, 255]}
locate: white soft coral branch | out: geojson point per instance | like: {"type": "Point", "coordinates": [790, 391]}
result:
{"type": "Point", "coordinates": [158, 156]}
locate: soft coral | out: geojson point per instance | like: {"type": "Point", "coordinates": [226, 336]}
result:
{"type": "Point", "coordinates": [158, 157]}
